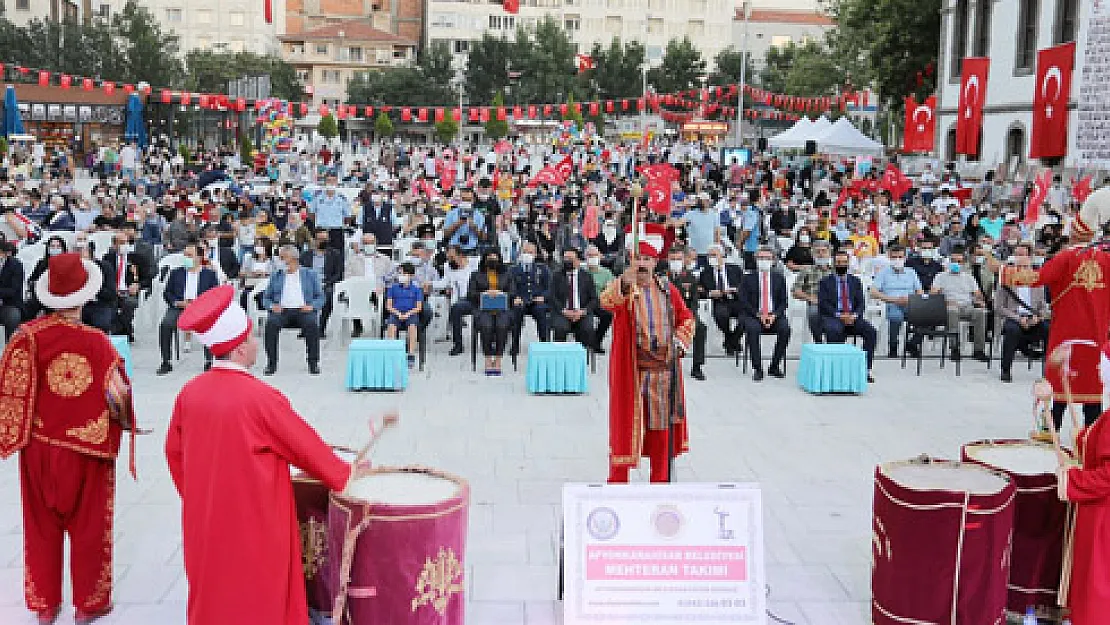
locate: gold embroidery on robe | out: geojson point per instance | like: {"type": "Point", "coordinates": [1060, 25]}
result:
{"type": "Point", "coordinates": [98, 600]}
{"type": "Point", "coordinates": [69, 375]}
{"type": "Point", "coordinates": [440, 580]}
{"type": "Point", "coordinates": [17, 377]}
{"type": "Point", "coordinates": [95, 432]}
{"type": "Point", "coordinates": [314, 547]}
{"type": "Point", "coordinates": [1089, 276]}
{"type": "Point", "coordinates": [11, 420]}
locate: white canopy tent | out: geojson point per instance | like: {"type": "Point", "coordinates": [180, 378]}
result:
{"type": "Point", "coordinates": [793, 137]}
{"type": "Point", "coordinates": [843, 138]}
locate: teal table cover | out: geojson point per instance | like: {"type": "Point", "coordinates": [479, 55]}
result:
{"type": "Point", "coordinates": [123, 348]}
{"type": "Point", "coordinates": [374, 364]}
{"type": "Point", "coordinates": [557, 368]}
{"type": "Point", "coordinates": [832, 368]}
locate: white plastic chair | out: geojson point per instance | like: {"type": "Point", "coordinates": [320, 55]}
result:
{"type": "Point", "coordinates": [254, 313]}
{"type": "Point", "coordinates": [102, 242]}
{"type": "Point", "coordinates": [355, 304]}
{"type": "Point", "coordinates": [68, 236]}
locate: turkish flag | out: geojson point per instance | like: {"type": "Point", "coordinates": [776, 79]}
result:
{"type": "Point", "coordinates": [547, 175]}
{"type": "Point", "coordinates": [1049, 138]}
{"type": "Point", "coordinates": [921, 125]}
{"type": "Point", "coordinates": [501, 113]}
{"type": "Point", "coordinates": [973, 92]}
{"type": "Point", "coordinates": [518, 113]}
{"type": "Point", "coordinates": [511, 6]}
{"type": "Point", "coordinates": [531, 111]}
{"type": "Point", "coordinates": [658, 194]}
{"type": "Point", "coordinates": [66, 81]}
{"type": "Point", "coordinates": [1081, 189]}
{"type": "Point", "coordinates": [439, 115]}
{"type": "Point", "coordinates": [565, 168]}
{"type": "Point", "coordinates": [268, 11]}
{"type": "Point", "coordinates": [895, 181]}
{"type": "Point", "coordinates": [661, 172]}
{"type": "Point", "coordinates": [44, 78]}
{"type": "Point", "coordinates": [1036, 199]}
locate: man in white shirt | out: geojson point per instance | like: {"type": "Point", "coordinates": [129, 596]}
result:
{"type": "Point", "coordinates": [294, 298]}
{"type": "Point", "coordinates": [128, 161]}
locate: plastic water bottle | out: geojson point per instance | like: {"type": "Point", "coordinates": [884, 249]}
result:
{"type": "Point", "coordinates": [1030, 616]}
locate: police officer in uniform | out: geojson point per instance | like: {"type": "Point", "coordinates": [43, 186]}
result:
{"type": "Point", "coordinates": [686, 281]}
{"type": "Point", "coordinates": [531, 281]}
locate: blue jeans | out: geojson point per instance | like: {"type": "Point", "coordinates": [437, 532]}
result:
{"type": "Point", "coordinates": [895, 315]}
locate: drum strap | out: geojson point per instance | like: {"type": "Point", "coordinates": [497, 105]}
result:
{"type": "Point", "coordinates": [350, 539]}
{"type": "Point", "coordinates": [959, 555]}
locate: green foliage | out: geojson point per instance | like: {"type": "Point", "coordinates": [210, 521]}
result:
{"type": "Point", "coordinates": [885, 43]}
{"type": "Point", "coordinates": [726, 67]}
{"type": "Point", "coordinates": [617, 71]}
{"type": "Point", "coordinates": [544, 55]}
{"type": "Point", "coordinates": [151, 54]}
{"type": "Point", "coordinates": [806, 70]}
{"type": "Point", "coordinates": [496, 128]}
{"type": "Point", "coordinates": [426, 84]}
{"type": "Point", "coordinates": [183, 150]}
{"type": "Point", "coordinates": [328, 127]}
{"type": "Point", "coordinates": [487, 71]}
{"type": "Point", "coordinates": [572, 114]}
{"type": "Point", "coordinates": [447, 129]}
{"type": "Point", "coordinates": [3, 145]}
{"type": "Point", "coordinates": [210, 71]}
{"type": "Point", "coordinates": [246, 150]}
{"type": "Point", "coordinates": [681, 67]}
{"type": "Point", "coordinates": [383, 125]}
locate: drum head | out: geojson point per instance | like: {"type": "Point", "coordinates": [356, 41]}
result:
{"type": "Point", "coordinates": [946, 476]}
{"type": "Point", "coordinates": [403, 488]}
{"type": "Point", "coordinates": [1016, 458]}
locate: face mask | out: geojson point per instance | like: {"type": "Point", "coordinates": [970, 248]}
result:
{"type": "Point", "coordinates": [921, 223]}
{"type": "Point", "coordinates": [979, 260]}
{"type": "Point", "coordinates": [375, 198]}
{"type": "Point", "coordinates": [928, 254]}
{"type": "Point", "coordinates": [568, 266]}
{"type": "Point", "coordinates": [330, 188]}
{"type": "Point", "coordinates": [188, 263]}
{"type": "Point", "coordinates": [719, 261]}
{"type": "Point", "coordinates": [594, 261]}
{"type": "Point", "coordinates": [763, 264]}
{"type": "Point", "coordinates": [823, 262]}
{"type": "Point", "coordinates": [404, 279]}
{"type": "Point", "coordinates": [259, 251]}
{"type": "Point", "coordinates": [841, 271]}
{"type": "Point", "coordinates": [954, 267]}
{"type": "Point", "coordinates": [1011, 242]}
{"type": "Point", "coordinates": [898, 263]}
{"type": "Point", "coordinates": [1038, 261]}
{"type": "Point", "coordinates": [526, 258]}
{"type": "Point", "coordinates": [416, 261]}
{"type": "Point", "coordinates": [54, 251]}
{"type": "Point", "coordinates": [804, 239]}
{"type": "Point", "coordinates": [675, 265]}
{"type": "Point", "coordinates": [126, 249]}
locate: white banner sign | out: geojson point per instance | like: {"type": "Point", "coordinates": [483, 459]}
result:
{"type": "Point", "coordinates": [1093, 119]}
{"type": "Point", "coordinates": [681, 553]}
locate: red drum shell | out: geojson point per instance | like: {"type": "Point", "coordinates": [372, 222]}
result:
{"type": "Point", "coordinates": [406, 561]}
{"type": "Point", "coordinates": [1040, 520]}
{"type": "Point", "coordinates": [935, 561]}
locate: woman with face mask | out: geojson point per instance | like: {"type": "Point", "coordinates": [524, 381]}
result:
{"type": "Point", "coordinates": [488, 294]}
{"type": "Point", "coordinates": [800, 254]}
{"type": "Point", "coordinates": [54, 245]}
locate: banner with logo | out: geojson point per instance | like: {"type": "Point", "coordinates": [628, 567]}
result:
{"type": "Point", "coordinates": [1092, 137]}
{"type": "Point", "coordinates": [647, 553]}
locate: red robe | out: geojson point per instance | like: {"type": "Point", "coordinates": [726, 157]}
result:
{"type": "Point", "coordinates": [229, 446]}
{"type": "Point", "coordinates": [1089, 489]}
{"type": "Point", "coordinates": [626, 418]}
{"type": "Point", "coordinates": [1078, 281]}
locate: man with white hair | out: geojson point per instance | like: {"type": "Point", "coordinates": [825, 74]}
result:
{"type": "Point", "coordinates": [721, 282]}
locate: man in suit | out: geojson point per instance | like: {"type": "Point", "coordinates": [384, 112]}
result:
{"type": "Point", "coordinates": [531, 293]}
{"type": "Point", "coordinates": [219, 256]}
{"type": "Point", "coordinates": [129, 276]}
{"type": "Point", "coordinates": [1024, 311]}
{"type": "Point", "coordinates": [763, 294]}
{"type": "Point", "coordinates": [327, 262]}
{"type": "Point", "coordinates": [573, 298]}
{"type": "Point", "coordinates": [294, 298]}
{"type": "Point", "coordinates": [184, 285]}
{"type": "Point", "coordinates": [377, 214]}
{"type": "Point", "coordinates": [11, 289]}
{"type": "Point", "coordinates": [686, 281]}
{"type": "Point", "coordinates": [842, 305]}
{"type": "Point", "coordinates": [722, 283]}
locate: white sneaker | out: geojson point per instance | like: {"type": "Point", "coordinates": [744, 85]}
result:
{"type": "Point", "coordinates": [188, 347]}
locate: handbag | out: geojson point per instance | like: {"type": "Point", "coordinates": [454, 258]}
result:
{"type": "Point", "coordinates": [494, 302]}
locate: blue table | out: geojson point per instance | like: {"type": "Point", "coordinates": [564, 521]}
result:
{"type": "Point", "coordinates": [832, 368]}
{"type": "Point", "coordinates": [123, 348]}
{"type": "Point", "coordinates": [377, 365]}
{"type": "Point", "coordinates": [557, 368]}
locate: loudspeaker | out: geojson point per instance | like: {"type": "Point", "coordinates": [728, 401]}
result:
{"type": "Point", "coordinates": [811, 148]}
{"type": "Point", "coordinates": [761, 144]}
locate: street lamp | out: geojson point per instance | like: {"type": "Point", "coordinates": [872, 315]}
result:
{"type": "Point", "coordinates": [743, 76]}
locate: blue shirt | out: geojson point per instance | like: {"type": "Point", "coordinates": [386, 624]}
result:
{"type": "Point", "coordinates": [470, 231]}
{"type": "Point", "coordinates": [330, 211]}
{"type": "Point", "coordinates": [701, 226]}
{"type": "Point", "coordinates": [992, 227]}
{"type": "Point", "coordinates": [751, 225]}
{"type": "Point", "coordinates": [404, 298]}
{"type": "Point", "coordinates": [897, 283]}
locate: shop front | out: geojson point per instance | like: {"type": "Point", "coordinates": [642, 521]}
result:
{"type": "Point", "coordinates": [72, 118]}
{"type": "Point", "coordinates": [709, 132]}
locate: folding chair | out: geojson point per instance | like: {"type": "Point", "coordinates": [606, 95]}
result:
{"type": "Point", "coordinates": [927, 315]}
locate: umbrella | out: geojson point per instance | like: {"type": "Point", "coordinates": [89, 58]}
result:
{"type": "Point", "coordinates": [136, 127]}
{"type": "Point", "coordinates": [12, 123]}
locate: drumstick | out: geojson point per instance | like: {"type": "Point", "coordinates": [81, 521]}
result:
{"type": "Point", "coordinates": [388, 420]}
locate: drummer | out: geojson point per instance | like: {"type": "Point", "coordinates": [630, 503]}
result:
{"type": "Point", "coordinates": [229, 446]}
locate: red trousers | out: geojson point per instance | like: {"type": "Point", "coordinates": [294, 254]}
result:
{"type": "Point", "coordinates": [65, 492]}
{"type": "Point", "coordinates": [655, 448]}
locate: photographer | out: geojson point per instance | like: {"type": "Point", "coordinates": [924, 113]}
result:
{"type": "Point", "coordinates": [464, 226]}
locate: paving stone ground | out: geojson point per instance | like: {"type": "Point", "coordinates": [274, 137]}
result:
{"type": "Point", "coordinates": [813, 456]}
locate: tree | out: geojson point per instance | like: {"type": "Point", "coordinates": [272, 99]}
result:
{"type": "Point", "coordinates": [682, 66]}
{"type": "Point", "coordinates": [328, 128]}
{"type": "Point", "coordinates": [210, 71]}
{"type": "Point", "coordinates": [544, 55]}
{"type": "Point", "coordinates": [885, 43]}
{"type": "Point", "coordinates": [496, 128]}
{"type": "Point", "coordinates": [151, 54]}
{"type": "Point", "coordinates": [806, 70]}
{"type": "Point", "coordinates": [617, 71]}
{"type": "Point", "coordinates": [435, 65]}
{"type": "Point", "coordinates": [447, 129]}
{"type": "Point", "coordinates": [246, 150]}
{"type": "Point", "coordinates": [727, 64]}
{"type": "Point", "coordinates": [487, 70]}
{"type": "Point", "coordinates": [383, 125]}
{"type": "Point", "coordinates": [573, 114]}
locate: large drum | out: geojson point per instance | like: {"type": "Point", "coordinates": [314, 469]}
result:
{"type": "Point", "coordinates": [397, 539]}
{"type": "Point", "coordinates": [311, 498]}
{"type": "Point", "coordinates": [1040, 518]}
{"type": "Point", "coordinates": [941, 543]}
